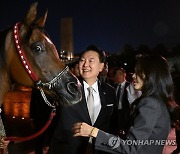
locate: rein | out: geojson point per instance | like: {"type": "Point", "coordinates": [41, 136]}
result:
{"type": "Point", "coordinates": [21, 139]}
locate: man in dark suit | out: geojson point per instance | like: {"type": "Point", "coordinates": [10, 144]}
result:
{"type": "Point", "coordinates": [103, 75]}
{"type": "Point", "coordinates": [122, 98]}
{"type": "Point", "coordinates": [100, 115]}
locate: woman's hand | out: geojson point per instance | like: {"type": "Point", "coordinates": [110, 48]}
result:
{"type": "Point", "coordinates": [83, 129]}
{"type": "Point", "coordinates": [3, 143]}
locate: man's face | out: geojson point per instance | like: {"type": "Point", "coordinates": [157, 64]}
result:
{"type": "Point", "coordinates": [89, 65]}
{"type": "Point", "coordinates": [120, 76]}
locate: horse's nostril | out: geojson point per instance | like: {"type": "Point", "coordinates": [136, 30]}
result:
{"type": "Point", "coordinates": [72, 87]}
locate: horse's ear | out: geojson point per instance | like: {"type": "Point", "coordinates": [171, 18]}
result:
{"type": "Point", "coordinates": [31, 15]}
{"type": "Point", "coordinates": [41, 21]}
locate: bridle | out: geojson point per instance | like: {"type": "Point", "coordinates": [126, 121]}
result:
{"type": "Point", "coordinates": [39, 84]}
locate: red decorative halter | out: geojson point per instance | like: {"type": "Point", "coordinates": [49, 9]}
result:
{"type": "Point", "coordinates": [22, 54]}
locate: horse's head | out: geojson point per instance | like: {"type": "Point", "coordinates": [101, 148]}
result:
{"type": "Point", "coordinates": [33, 60]}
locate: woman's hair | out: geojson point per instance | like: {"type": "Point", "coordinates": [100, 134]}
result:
{"type": "Point", "coordinates": [157, 81]}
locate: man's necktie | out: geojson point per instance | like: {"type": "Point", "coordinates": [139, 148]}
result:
{"type": "Point", "coordinates": [90, 103]}
{"type": "Point", "coordinates": [118, 92]}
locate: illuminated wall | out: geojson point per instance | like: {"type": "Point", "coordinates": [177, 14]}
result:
{"type": "Point", "coordinates": [66, 36]}
{"type": "Point", "coordinates": [17, 103]}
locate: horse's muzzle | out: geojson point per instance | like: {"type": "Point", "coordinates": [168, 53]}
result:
{"type": "Point", "coordinates": [72, 88]}
{"type": "Point", "coordinates": [66, 86]}
{"type": "Point", "coordinates": [68, 89]}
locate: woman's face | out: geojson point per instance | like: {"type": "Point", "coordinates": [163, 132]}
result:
{"type": "Point", "coordinates": [137, 82]}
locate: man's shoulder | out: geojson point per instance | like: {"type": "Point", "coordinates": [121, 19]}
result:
{"type": "Point", "coordinates": [127, 83]}
{"type": "Point", "coordinates": [106, 85]}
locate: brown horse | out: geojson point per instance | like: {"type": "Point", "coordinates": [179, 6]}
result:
{"type": "Point", "coordinates": [28, 57]}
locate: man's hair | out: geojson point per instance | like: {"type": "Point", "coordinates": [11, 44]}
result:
{"type": "Point", "coordinates": [100, 52]}
{"type": "Point", "coordinates": [119, 69]}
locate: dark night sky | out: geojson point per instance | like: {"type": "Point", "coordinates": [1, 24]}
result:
{"type": "Point", "coordinates": [107, 23]}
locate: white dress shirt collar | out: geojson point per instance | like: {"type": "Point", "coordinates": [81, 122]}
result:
{"type": "Point", "coordinates": [94, 86]}
{"type": "Point", "coordinates": [122, 84]}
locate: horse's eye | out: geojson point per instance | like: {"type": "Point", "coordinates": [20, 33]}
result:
{"type": "Point", "coordinates": [37, 47]}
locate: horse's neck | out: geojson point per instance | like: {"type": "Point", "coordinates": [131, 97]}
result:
{"type": "Point", "coordinates": [5, 84]}
{"type": "Point", "coordinates": [5, 81]}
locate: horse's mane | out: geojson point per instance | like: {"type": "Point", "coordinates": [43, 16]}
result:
{"type": "Point", "coordinates": [3, 65]}
{"type": "Point", "coordinates": [2, 46]}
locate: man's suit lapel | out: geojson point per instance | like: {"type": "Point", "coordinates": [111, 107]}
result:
{"type": "Point", "coordinates": [83, 106]}
{"type": "Point", "coordinates": [85, 112]}
{"type": "Point", "coordinates": [102, 112]}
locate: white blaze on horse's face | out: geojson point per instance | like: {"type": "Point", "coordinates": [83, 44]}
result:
{"type": "Point", "coordinates": [48, 40]}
